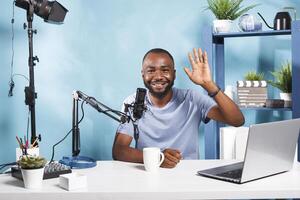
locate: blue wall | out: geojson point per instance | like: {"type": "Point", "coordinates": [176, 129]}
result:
{"type": "Point", "coordinates": [98, 50]}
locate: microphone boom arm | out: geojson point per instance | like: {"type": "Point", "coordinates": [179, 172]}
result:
{"type": "Point", "coordinates": [100, 107]}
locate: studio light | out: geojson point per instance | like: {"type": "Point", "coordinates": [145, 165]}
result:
{"type": "Point", "coordinates": [50, 11]}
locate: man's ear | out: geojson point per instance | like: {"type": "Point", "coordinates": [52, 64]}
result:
{"type": "Point", "coordinates": [174, 74]}
{"type": "Point", "coordinates": [142, 72]}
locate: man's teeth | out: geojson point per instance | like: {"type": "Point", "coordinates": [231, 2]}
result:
{"type": "Point", "coordinates": [158, 84]}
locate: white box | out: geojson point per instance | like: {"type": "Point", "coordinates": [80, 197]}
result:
{"type": "Point", "coordinates": [233, 142]}
{"type": "Point", "coordinates": [72, 181]}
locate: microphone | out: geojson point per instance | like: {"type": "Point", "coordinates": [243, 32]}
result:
{"type": "Point", "coordinates": [139, 105]}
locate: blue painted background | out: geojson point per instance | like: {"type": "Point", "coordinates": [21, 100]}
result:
{"type": "Point", "coordinates": [98, 50]}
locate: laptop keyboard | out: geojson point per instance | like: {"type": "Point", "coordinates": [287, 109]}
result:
{"type": "Point", "coordinates": [234, 174]}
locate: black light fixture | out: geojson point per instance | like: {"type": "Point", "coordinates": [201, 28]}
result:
{"type": "Point", "coordinates": [52, 12]}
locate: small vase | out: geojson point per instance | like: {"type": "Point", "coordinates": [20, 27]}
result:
{"type": "Point", "coordinates": [33, 178]}
{"type": "Point", "coordinates": [222, 26]}
{"type": "Point", "coordinates": [286, 96]}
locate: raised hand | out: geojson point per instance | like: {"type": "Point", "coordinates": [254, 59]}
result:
{"type": "Point", "coordinates": [200, 73]}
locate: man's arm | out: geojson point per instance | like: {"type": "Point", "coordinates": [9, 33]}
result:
{"type": "Point", "coordinates": [122, 151]}
{"type": "Point", "coordinates": [226, 110]}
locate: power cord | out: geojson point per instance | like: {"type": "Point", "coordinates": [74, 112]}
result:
{"type": "Point", "coordinates": [53, 147]}
{"type": "Point", "coordinates": [2, 166]}
{"type": "Point", "coordinates": [11, 82]}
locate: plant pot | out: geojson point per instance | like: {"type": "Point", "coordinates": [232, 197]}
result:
{"type": "Point", "coordinates": [33, 178]}
{"type": "Point", "coordinates": [222, 26]}
{"type": "Point", "coordinates": [286, 96]}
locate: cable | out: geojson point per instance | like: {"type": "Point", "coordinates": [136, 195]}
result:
{"type": "Point", "coordinates": [28, 117]}
{"type": "Point", "coordinates": [2, 166]}
{"type": "Point", "coordinates": [11, 82]}
{"type": "Point", "coordinates": [53, 147]}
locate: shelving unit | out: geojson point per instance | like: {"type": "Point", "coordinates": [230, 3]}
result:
{"type": "Point", "coordinates": [214, 45]}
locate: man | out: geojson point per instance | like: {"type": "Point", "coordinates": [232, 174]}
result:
{"type": "Point", "coordinates": [174, 115]}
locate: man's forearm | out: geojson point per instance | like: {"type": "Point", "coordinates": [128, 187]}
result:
{"type": "Point", "coordinates": [230, 112]}
{"type": "Point", "coordinates": [127, 153]}
{"type": "Point", "coordinates": [229, 109]}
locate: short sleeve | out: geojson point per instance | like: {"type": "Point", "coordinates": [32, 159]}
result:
{"type": "Point", "coordinates": [126, 128]}
{"type": "Point", "coordinates": [205, 103]}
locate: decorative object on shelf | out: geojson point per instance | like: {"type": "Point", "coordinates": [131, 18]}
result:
{"type": "Point", "coordinates": [230, 91]}
{"type": "Point", "coordinates": [249, 23]}
{"type": "Point", "coordinates": [226, 11]}
{"type": "Point", "coordinates": [32, 168]}
{"type": "Point", "coordinates": [253, 91]}
{"type": "Point", "coordinates": [254, 76]}
{"type": "Point", "coordinates": [282, 20]}
{"type": "Point", "coordinates": [274, 103]}
{"type": "Point", "coordinates": [284, 83]}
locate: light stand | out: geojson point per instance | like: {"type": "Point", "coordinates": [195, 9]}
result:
{"type": "Point", "coordinates": [30, 94]}
{"type": "Point", "coordinates": [52, 12]}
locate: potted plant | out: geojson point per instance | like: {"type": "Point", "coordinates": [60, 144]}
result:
{"type": "Point", "coordinates": [252, 91]}
{"type": "Point", "coordinates": [254, 76]}
{"type": "Point", "coordinates": [32, 168]}
{"type": "Point", "coordinates": [283, 81]}
{"type": "Point", "coordinates": [226, 11]}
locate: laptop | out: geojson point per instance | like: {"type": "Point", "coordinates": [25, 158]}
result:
{"type": "Point", "coordinates": [270, 150]}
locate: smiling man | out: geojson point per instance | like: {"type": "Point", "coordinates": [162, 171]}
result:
{"type": "Point", "coordinates": [174, 115]}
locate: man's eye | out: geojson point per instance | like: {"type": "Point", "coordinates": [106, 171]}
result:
{"type": "Point", "coordinates": [150, 71]}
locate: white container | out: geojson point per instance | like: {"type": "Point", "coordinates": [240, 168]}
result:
{"type": "Point", "coordinates": [152, 158]}
{"type": "Point", "coordinates": [73, 181]}
{"type": "Point", "coordinates": [33, 178]}
{"type": "Point", "coordinates": [222, 26]}
{"type": "Point", "coordinates": [32, 152]}
{"type": "Point", "coordinates": [285, 96]}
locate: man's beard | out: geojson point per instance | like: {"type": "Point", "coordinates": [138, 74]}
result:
{"type": "Point", "coordinates": [159, 95]}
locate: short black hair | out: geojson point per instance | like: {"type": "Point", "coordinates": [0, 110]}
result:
{"type": "Point", "coordinates": [158, 50]}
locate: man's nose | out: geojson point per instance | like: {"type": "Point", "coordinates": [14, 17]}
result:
{"type": "Point", "coordinates": [158, 74]}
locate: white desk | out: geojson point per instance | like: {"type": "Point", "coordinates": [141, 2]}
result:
{"type": "Point", "coordinates": [120, 180]}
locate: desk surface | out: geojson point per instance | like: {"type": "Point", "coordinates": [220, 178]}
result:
{"type": "Point", "coordinates": [121, 180]}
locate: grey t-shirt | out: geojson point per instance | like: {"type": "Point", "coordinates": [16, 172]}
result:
{"type": "Point", "coordinates": [175, 126]}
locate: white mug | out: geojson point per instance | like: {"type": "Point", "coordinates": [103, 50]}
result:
{"type": "Point", "coordinates": [152, 158]}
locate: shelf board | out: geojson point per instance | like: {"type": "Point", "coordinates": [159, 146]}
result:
{"type": "Point", "coordinates": [251, 34]}
{"type": "Point", "coordinates": [266, 109]}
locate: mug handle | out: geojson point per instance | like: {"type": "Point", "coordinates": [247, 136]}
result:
{"type": "Point", "coordinates": [161, 159]}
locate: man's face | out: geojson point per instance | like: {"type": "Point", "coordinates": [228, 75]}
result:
{"type": "Point", "coordinates": [158, 74]}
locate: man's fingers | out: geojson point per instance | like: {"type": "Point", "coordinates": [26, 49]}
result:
{"type": "Point", "coordinates": [188, 71]}
{"type": "Point", "coordinates": [191, 59]}
{"type": "Point", "coordinates": [171, 157]}
{"type": "Point", "coordinates": [197, 59]}
{"type": "Point", "coordinates": [173, 152]}
{"type": "Point", "coordinates": [201, 56]}
{"type": "Point", "coordinates": [205, 59]}
{"type": "Point", "coordinates": [169, 163]}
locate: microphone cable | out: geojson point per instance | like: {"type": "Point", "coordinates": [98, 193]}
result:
{"type": "Point", "coordinates": [53, 147]}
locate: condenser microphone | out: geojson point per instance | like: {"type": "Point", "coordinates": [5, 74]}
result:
{"type": "Point", "coordinates": [139, 105]}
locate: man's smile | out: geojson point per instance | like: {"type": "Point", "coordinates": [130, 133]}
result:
{"type": "Point", "coordinates": [159, 84]}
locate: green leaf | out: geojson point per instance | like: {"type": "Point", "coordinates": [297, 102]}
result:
{"type": "Point", "coordinates": [283, 78]}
